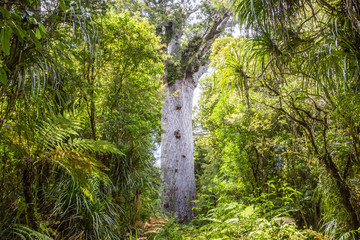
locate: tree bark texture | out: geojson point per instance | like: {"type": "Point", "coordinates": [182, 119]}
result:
{"type": "Point", "coordinates": [177, 150]}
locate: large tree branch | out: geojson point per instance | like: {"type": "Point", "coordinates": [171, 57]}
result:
{"type": "Point", "coordinates": [174, 45]}
{"type": "Point", "coordinates": [217, 28]}
{"type": "Point", "coordinates": [202, 70]}
{"type": "Point", "coordinates": [197, 63]}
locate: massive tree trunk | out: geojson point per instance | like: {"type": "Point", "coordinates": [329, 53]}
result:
{"type": "Point", "coordinates": [177, 150]}
{"type": "Point", "coordinates": [177, 161]}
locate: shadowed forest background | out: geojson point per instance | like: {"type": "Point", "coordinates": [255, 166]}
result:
{"type": "Point", "coordinates": [276, 146]}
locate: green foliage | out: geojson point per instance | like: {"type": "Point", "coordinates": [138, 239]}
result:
{"type": "Point", "coordinates": [77, 139]}
{"type": "Point", "coordinates": [94, 213]}
{"type": "Point", "coordinates": [277, 149]}
{"type": "Point", "coordinates": [174, 68]}
{"type": "Point", "coordinates": [278, 107]}
{"type": "Point", "coordinates": [237, 221]}
{"type": "Point", "coordinates": [23, 232]}
{"type": "Point", "coordinates": [228, 220]}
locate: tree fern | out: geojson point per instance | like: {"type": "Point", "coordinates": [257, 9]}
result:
{"type": "Point", "coordinates": [58, 140]}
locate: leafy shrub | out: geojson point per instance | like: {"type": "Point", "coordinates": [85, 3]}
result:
{"type": "Point", "coordinates": [237, 221]}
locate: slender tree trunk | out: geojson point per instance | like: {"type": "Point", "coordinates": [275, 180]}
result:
{"type": "Point", "coordinates": [28, 195]}
{"type": "Point", "coordinates": [92, 120]}
{"type": "Point", "coordinates": [344, 190]}
{"type": "Point", "coordinates": [177, 161]}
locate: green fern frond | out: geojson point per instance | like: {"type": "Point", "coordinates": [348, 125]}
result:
{"type": "Point", "coordinates": [96, 146]}
{"type": "Point", "coordinates": [78, 164]}
{"type": "Point", "coordinates": [56, 130]}
{"type": "Point", "coordinates": [24, 232]}
{"type": "Point", "coordinates": [58, 140]}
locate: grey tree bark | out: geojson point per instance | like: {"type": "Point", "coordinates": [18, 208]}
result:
{"type": "Point", "coordinates": [177, 149]}
{"type": "Point", "coordinates": [177, 161]}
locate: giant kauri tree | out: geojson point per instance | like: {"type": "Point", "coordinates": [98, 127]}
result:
{"type": "Point", "coordinates": [187, 30]}
{"type": "Point", "coordinates": [186, 62]}
{"type": "Point", "coordinates": [177, 141]}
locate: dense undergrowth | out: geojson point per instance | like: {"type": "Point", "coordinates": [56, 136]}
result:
{"type": "Point", "coordinates": [236, 221]}
{"type": "Point", "coordinates": [259, 220]}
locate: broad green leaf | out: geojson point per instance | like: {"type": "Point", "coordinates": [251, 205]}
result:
{"type": "Point", "coordinates": [16, 16]}
{"type": "Point", "coordinates": [3, 77]}
{"type": "Point", "coordinates": [5, 35]}
{"type": "Point", "coordinates": [42, 28]}
{"type": "Point", "coordinates": [37, 33]}
{"type": "Point", "coordinates": [62, 5]}
{"type": "Point", "coordinates": [5, 13]}
{"type": "Point", "coordinates": [18, 30]}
